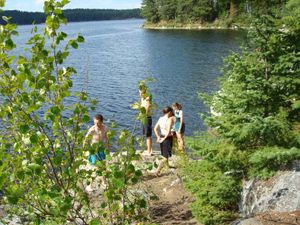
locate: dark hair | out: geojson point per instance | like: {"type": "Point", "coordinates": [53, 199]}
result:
{"type": "Point", "coordinates": [98, 117]}
{"type": "Point", "coordinates": [177, 105]}
{"type": "Point", "coordinates": [172, 113]}
{"type": "Point", "coordinates": [167, 110]}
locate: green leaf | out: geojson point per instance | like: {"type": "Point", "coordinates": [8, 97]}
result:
{"type": "Point", "coordinates": [65, 2]}
{"type": "Point", "coordinates": [55, 110]}
{"type": "Point", "coordinates": [142, 203]}
{"type": "Point", "coordinates": [3, 178]}
{"type": "Point", "coordinates": [138, 173]}
{"type": "Point", "coordinates": [73, 44]}
{"type": "Point", "coordinates": [143, 110]}
{"type": "Point", "coordinates": [2, 3]}
{"type": "Point", "coordinates": [135, 105]}
{"type": "Point", "coordinates": [34, 138]}
{"type": "Point", "coordinates": [80, 39]}
{"type": "Point", "coordinates": [57, 160]}
{"type": "Point", "coordinates": [296, 105]}
{"type": "Point", "coordinates": [94, 222]}
{"type": "Point", "coordinates": [24, 128]}
{"type": "Point", "coordinates": [6, 19]}
{"type": "Point", "coordinates": [9, 44]}
{"type": "Point", "coordinates": [85, 118]}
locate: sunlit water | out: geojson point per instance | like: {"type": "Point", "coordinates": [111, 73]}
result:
{"type": "Point", "coordinates": [117, 54]}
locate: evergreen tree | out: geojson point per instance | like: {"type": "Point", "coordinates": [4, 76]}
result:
{"type": "Point", "coordinates": [167, 9]}
{"type": "Point", "coordinates": [207, 10]}
{"type": "Point", "coordinates": [184, 8]}
{"type": "Point", "coordinates": [203, 10]}
{"type": "Point", "coordinates": [150, 10]}
{"type": "Point", "coordinates": [259, 100]}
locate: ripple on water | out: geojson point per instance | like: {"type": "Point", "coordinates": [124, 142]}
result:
{"type": "Point", "coordinates": [117, 54]}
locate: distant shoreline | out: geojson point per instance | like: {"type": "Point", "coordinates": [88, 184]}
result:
{"type": "Point", "coordinates": [90, 21]}
{"type": "Point", "coordinates": [189, 26]}
{"type": "Point", "coordinates": [72, 15]}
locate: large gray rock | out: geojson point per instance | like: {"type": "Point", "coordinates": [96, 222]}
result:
{"type": "Point", "coordinates": [250, 221]}
{"type": "Point", "coordinates": [280, 193]}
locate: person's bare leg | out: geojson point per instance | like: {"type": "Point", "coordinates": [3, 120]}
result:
{"type": "Point", "coordinates": [161, 165]}
{"type": "Point", "coordinates": [149, 145]}
{"type": "Point", "coordinates": [180, 141]}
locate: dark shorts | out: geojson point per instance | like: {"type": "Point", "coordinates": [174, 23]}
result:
{"type": "Point", "coordinates": [166, 147]}
{"type": "Point", "coordinates": [147, 128]}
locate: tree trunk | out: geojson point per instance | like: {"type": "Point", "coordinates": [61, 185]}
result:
{"type": "Point", "coordinates": [233, 8]}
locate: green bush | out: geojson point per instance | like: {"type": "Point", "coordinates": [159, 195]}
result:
{"type": "Point", "coordinates": [255, 118]}
{"type": "Point", "coordinates": [43, 171]}
{"type": "Point", "coordinates": [219, 151]}
{"type": "Point", "coordinates": [266, 161]}
{"type": "Point", "coordinates": [216, 193]}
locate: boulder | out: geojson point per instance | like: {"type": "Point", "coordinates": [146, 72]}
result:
{"type": "Point", "coordinates": [280, 193]}
{"type": "Point", "coordinates": [272, 218]}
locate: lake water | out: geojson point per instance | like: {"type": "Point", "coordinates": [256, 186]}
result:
{"type": "Point", "coordinates": [117, 54]}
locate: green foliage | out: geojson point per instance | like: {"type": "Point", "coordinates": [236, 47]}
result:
{"type": "Point", "coordinates": [258, 97]}
{"type": "Point", "coordinates": [43, 168]}
{"type": "Point", "coordinates": [122, 205]}
{"type": "Point", "coordinates": [254, 120]}
{"type": "Point", "coordinates": [191, 11]}
{"type": "Point", "coordinates": [214, 179]}
{"type": "Point", "coordinates": [167, 10]}
{"type": "Point", "coordinates": [216, 193]}
{"type": "Point", "coordinates": [150, 10]}
{"type": "Point", "coordinates": [267, 161]}
{"type": "Point", "coordinates": [219, 151]}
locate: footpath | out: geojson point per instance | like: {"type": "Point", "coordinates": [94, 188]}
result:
{"type": "Point", "coordinates": [170, 204]}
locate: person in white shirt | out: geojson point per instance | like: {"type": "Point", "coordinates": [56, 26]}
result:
{"type": "Point", "coordinates": [164, 137]}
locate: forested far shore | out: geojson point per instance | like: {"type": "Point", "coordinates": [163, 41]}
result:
{"type": "Point", "coordinates": [220, 13]}
{"type": "Point", "coordinates": [73, 15]}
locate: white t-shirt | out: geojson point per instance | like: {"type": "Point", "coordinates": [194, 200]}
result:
{"type": "Point", "coordinates": [163, 121]}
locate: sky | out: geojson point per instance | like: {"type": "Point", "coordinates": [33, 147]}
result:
{"type": "Point", "coordinates": [37, 5]}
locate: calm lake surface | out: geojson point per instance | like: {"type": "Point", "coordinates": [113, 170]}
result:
{"type": "Point", "coordinates": [117, 54]}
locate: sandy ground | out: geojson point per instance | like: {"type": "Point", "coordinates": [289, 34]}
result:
{"type": "Point", "coordinates": [171, 202]}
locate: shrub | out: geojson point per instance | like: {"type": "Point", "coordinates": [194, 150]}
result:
{"type": "Point", "coordinates": [216, 193]}
{"type": "Point", "coordinates": [219, 151]}
{"type": "Point", "coordinates": [266, 161]}
{"type": "Point", "coordinates": [41, 146]}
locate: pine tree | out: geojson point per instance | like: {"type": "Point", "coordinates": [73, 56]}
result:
{"type": "Point", "coordinates": [167, 9]}
{"type": "Point", "coordinates": [259, 100]}
{"type": "Point", "coordinates": [203, 10]}
{"type": "Point", "coordinates": [150, 10]}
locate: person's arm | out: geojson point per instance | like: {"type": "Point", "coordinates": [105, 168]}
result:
{"type": "Point", "coordinates": [106, 143]}
{"type": "Point", "coordinates": [86, 153]}
{"type": "Point", "coordinates": [87, 136]}
{"type": "Point", "coordinates": [156, 131]}
{"type": "Point", "coordinates": [181, 120]}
